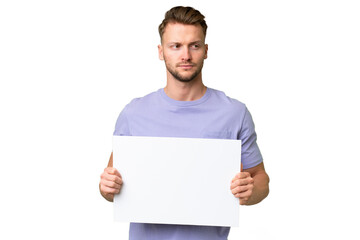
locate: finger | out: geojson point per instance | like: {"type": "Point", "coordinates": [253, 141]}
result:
{"type": "Point", "coordinates": [110, 180]}
{"type": "Point", "coordinates": [116, 179]}
{"type": "Point", "coordinates": [235, 184]}
{"type": "Point", "coordinates": [111, 177]}
{"type": "Point", "coordinates": [237, 176]}
{"type": "Point", "coordinates": [116, 172]}
{"type": "Point", "coordinates": [240, 189]}
{"type": "Point", "coordinates": [241, 175]}
{"type": "Point", "coordinates": [245, 181]}
{"type": "Point", "coordinates": [108, 190]}
{"type": "Point", "coordinates": [112, 171]}
{"type": "Point", "coordinates": [244, 195]}
{"type": "Point", "coordinates": [110, 184]}
{"type": "Point", "coordinates": [244, 175]}
{"type": "Point", "coordinates": [241, 182]}
{"type": "Point", "coordinates": [234, 179]}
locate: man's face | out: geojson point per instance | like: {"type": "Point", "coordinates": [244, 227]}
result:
{"type": "Point", "coordinates": [183, 49]}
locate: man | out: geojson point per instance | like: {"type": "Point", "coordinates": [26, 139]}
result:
{"type": "Point", "coordinates": [187, 108]}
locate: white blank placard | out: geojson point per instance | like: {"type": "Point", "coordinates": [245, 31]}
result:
{"type": "Point", "coordinates": [177, 180]}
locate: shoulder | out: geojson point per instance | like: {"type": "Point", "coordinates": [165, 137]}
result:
{"type": "Point", "coordinates": [136, 107]}
{"type": "Point", "coordinates": [141, 103]}
{"type": "Point", "coordinates": [223, 98]}
{"type": "Point", "coordinates": [231, 104]}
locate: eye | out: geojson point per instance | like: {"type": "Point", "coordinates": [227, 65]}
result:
{"type": "Point", "coordinates": [195, 46]}
{"type": "Point", "coordinates": [175, 46]}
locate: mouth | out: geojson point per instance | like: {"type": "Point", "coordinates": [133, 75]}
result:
{"type": "Point", "coordinates": [186, 66]}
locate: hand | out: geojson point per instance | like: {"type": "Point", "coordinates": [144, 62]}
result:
{"type": "Point", "coordinates": [242, 187]}
{"type": "Point", "coordinates": [110, 183]}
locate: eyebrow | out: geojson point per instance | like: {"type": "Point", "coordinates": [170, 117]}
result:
{"type": "Point", "coordinates": [196, 42]}
{"type": "Point", "coordinates": [191, 43]}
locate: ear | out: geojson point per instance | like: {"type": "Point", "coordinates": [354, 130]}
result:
{"type": "Point", "coordinates": [206, 51]}
{"type": "Point", "coordinates": [161, 52]}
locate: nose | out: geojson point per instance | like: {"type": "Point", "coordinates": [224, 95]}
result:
{"type": "Point", "coordinates": [186, 56]}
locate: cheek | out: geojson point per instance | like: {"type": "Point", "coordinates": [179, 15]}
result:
{"type": "Point", "coordinates": [201, 56]}
{"type": "Point", "coordinates": [170, 57]}
{"type": "Point", "coordinates": [205, 54]}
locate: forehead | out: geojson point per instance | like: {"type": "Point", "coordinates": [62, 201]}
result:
{"type": "Point", "coordinates": [178, 32]}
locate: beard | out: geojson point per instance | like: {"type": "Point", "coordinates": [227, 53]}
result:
{"type": "Point", "coordinates": [181, 78]}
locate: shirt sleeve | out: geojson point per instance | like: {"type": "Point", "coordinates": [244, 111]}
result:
{"type": "Point", "coordinates": [122, 125]}
{"type": "Point", "coordinates": [250, 152]}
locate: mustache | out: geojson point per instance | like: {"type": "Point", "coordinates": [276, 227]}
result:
{"type": "Point", "coordinates": [185, 63]}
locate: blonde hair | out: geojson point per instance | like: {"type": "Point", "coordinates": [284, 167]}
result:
{"type": "Point", "coordinates": [185, 15]}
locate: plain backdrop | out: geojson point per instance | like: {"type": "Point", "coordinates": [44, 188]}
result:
{"type": "Point", "coordinates": [67, 68]}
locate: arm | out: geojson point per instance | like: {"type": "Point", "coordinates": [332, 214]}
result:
{"type": "Point", "coordinates": [251, 186]}
{"type": "Point", "coordinates": [110, 182]}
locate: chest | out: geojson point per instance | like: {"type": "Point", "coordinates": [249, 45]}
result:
{"type": "Point", "coordinates": [178, 122]}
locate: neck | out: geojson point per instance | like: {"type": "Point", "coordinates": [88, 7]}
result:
{"type": "Point", "coordinates": [185, 91]}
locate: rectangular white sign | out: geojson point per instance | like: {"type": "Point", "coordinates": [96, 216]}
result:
{"type": "Point", "coordinates": [177, 180]}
